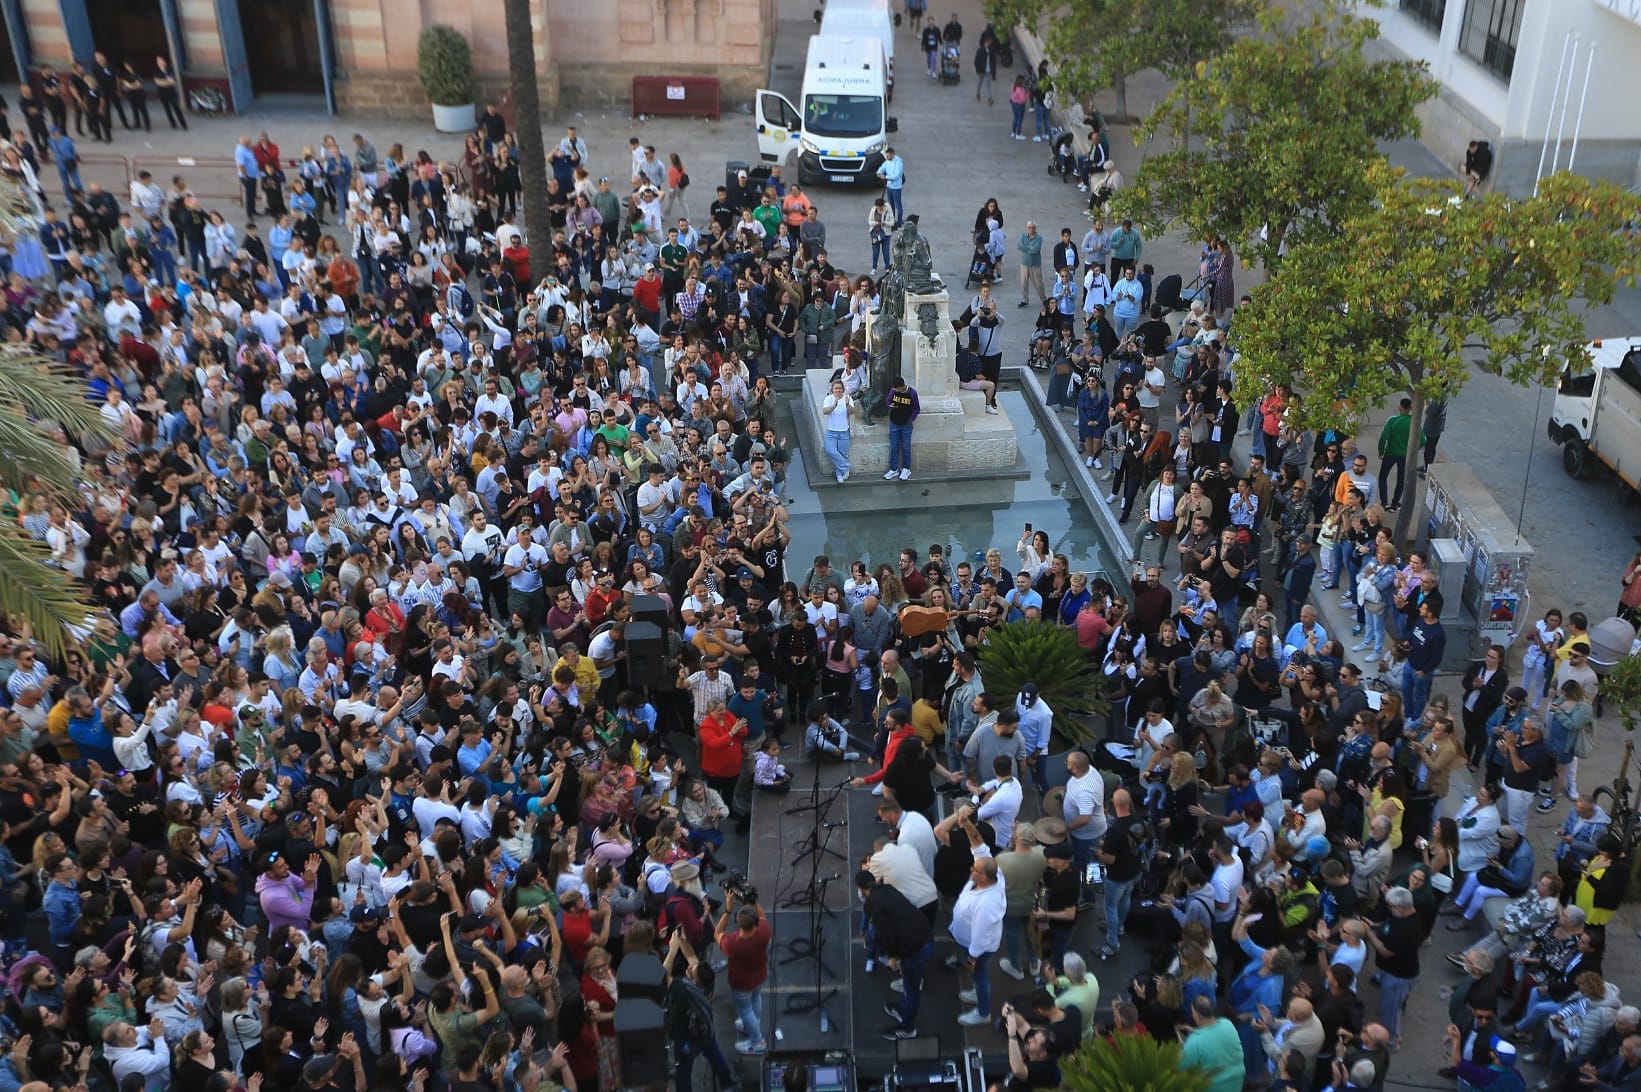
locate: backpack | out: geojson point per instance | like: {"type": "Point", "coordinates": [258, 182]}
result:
{"type": "Point", "coordinates": [148, 963]}
{"type": "Point", "coordinates": [664, 922]}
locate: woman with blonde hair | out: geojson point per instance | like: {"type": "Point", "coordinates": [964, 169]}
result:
{"type": "Point", "coordinates": [1178, 824]}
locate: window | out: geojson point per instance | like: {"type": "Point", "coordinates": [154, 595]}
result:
{"type": "Point", "coordinates": [1428, 12]}
{"type": "Point", "coordinates": [844, 115]}
{"type": "Point", "coordinates": [1489, 34]}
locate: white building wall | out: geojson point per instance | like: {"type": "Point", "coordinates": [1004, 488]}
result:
{"type": "Point", "coordinates": [1515, 116]}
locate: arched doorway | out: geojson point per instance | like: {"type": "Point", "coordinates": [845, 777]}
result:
{"type": "Point", "coordinates": [282, 46]}
{"type": "Point", "coordinates": [128, 29]}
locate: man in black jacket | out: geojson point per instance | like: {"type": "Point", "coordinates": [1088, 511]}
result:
{"type": "Point", "coordinates": [903, 936]}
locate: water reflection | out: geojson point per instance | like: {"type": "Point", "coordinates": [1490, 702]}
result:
{"type": "Point", "coordinates": [874, 521]}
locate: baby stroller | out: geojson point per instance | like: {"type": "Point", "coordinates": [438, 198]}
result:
{"type": "Point", "coordinates": [982, 270]}
{"type": "Point", "coordinates": [951, 63]}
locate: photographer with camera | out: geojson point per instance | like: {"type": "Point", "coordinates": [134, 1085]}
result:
{"type": "Point", "coordinates": [743, 936]}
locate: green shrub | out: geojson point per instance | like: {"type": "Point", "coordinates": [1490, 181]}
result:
{"type": "Point", "coordinates": [1048, 655]}
{"type": "Point", "coordinates": [1131, 1063]}
{"type": "Point", "coordinates": [444, 64]}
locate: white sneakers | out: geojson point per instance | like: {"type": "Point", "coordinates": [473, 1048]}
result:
{"type": "Point", "coordinates": [1009, 969]}
{"type": "Point", "coordinates": [973, 1018]}
{"type": "Point", "coordinates": [1098, 465]}
{"type": "Point", "coordinates": [1038, 139]}
{"type": "Point", "coordinates": [991, 409]}
{"type": "Point", "coordinates": [906, 474]}
{"type": "Point", "coordinates": [969, 997]}
{"type": "Point", "coordinates": [842, 478]}
{"type": "Point", "coordinates": [890, 475]}
{"type": "Point", "coordinates": [1112, 499]}
{"type": "Point", "coordinates": [1090, 463]}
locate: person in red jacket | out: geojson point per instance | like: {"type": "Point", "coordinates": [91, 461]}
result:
{"type": "Point", "coordinates": [720, 734]}
{"type": "Point", "coordinates": [898, 734]}
{"type": "Point", "coordinates": [646, 296]}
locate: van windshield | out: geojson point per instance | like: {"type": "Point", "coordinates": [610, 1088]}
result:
{"type": "Point", "coordinates": [843, 115]}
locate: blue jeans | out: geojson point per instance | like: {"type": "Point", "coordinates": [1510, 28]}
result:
{"type": "Point", "coordinates": [1118, 895]}
{"type": "Point", "coordinates": [1124, 323]}
{"type": "Point", "coordinates": [1373, 630]}
{"type": "Point", "coordinates": [780, 352]}
{"type": "Point", "coordinates": [836, 445]}
{"type": "Point", "coordinates": [1415, 692]}
{"type": "Point", "coordinates": [684, 1053]}
{"type": "Point", "coordinates": [1539, 1009]}
{"type": "Point", "coordinates": [1019, 120]}
{"type": "Point", "coordinates": [893, 194]}
{"type": "Point", "coordinates": [1039, 118]}
{"type": "Point", "coordinates": [880, 250]}
{"type": "Point", "coordinates": [1393, 994]}
{"type": "Point", "coordinates": [749, 1006]}
{"type": "Point", "coordinates": [982, 984]}
{"type": "Point", "coordinates": [1015, 948]}
{"type": "Point", "coordinates": [911, 978]}
{"type": "Point", "coordinates": [900, 446]}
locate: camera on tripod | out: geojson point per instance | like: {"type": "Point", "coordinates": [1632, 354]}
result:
{"type": "Point", "coordinates": [736, 884]}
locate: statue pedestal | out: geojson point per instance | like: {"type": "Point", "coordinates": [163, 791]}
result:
{"type": "Point", "coordinates": [953, 433]}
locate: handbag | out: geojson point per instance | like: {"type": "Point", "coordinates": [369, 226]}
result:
{"type": "Point", "coordinates": [1167, 526]}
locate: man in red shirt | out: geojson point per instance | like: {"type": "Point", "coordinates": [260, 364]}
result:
{"type": "Point", "coordinates": [743, 936]}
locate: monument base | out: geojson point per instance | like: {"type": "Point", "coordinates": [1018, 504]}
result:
{"type": "Point", "coordinates": [952, 437]}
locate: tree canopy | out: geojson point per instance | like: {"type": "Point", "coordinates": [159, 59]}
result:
{"type": "Point", "coordinates": [1095, 44]}
{"type": "Point", "coordinates": [1420, 285]}
{"type": "Point", "coordinates": [1271, 141]}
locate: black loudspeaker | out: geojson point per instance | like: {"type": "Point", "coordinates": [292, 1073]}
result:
{"type": "Point", "coordinates": [651, 609]}
{"type": "Point", "coordinates": [640, 1028]}
{"type": "Point", "coordinates": [646, 656]}
{"type": "Point", "coordinates": [640, 976]}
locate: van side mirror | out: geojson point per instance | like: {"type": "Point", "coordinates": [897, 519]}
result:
{"type": "Point", "coordinates": [817, 16]}
{"type": "Point", "coordinates": [892, 125]}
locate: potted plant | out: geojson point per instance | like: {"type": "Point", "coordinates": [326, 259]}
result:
{"type": "Point", "coordinates": [1134, 1063]}
{"type": "Point", "coordinates": [444, 64]}
{"type": "Point", "coordinates": [1022, 652]}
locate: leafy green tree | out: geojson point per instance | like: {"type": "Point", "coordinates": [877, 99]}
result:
{"type": "Point", "coordinates": [35, 390]}
{"type": "Point", "coordinates": [1420, 286]}
{"type": "Point", "coordinates": [1095, 44]}
{"type": "Point", "coordinates": [521, 71]}
{"type": "Point", "coordinates": [1286, 125]}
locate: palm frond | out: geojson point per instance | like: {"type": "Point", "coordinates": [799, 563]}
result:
{"type": "Point", "coordinates": [47, 597]}
{"type": "Point", "coordinates": [27, 453]}
{"type": "Point", "coordinates": [41, 387]}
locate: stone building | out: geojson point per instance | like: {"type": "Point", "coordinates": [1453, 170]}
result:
{"type": "Point", "coordinates": [364, 51]}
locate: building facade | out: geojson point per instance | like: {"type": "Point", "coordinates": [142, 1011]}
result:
{"type": "Point", "coordinates": [1498, 63]}
{"type": "Point", "coordinates": [362, 53]}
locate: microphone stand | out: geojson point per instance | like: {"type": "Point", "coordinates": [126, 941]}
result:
{"type": "Point", "coordinates": [813, 946]}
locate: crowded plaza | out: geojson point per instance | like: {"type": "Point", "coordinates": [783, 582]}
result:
{"type": "Point", "coordinates": [451, 647]}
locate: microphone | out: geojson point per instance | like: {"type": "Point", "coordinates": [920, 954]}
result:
{"type": "Point", "coordinates": [833, 876]}
{"type": "Point", "coordinates": [839, 823]}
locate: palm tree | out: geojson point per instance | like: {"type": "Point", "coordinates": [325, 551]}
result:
{"type": "Point", "coordinates": [521, 71]}
{"type": "Point", "coordinates": [37, 392]}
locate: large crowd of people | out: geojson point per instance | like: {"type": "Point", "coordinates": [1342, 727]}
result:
{"type": "Point", "coordinates": [358, 780]}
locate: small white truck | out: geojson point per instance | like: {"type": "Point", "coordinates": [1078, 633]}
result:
{"type": "Point", "coordinates": [1597, 413]}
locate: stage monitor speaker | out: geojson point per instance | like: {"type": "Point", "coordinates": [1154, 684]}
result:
{"type": "Point", "coordinates": [646, 656]}
{"type": "Point", "coordinates": [641, 1029]}
{"type": "Point", "coordinates": [651, 609]}
{"type": "Point", "coordinates": [640, 975]}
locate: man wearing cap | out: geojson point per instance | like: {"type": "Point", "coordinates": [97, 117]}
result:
{"type": "Point", "coordinates": [1036, 726]}
{"type": "Point", "coordinates": [1498, 1073]}
{"type": "Point", "coordinates": [1021, 868]}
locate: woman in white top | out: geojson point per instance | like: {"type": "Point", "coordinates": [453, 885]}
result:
{"type": "Point", "coordinates": [1034, 552]}
{"type": "Point", "coordinates": [837, 408]}
{"type": "Point", "coordinates": [859, 585]}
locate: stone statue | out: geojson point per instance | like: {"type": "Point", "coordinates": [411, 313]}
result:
{"type": "Point", "coordinates": [914, 261]}
{"type": "Point", "coordinates": [886, 327]}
